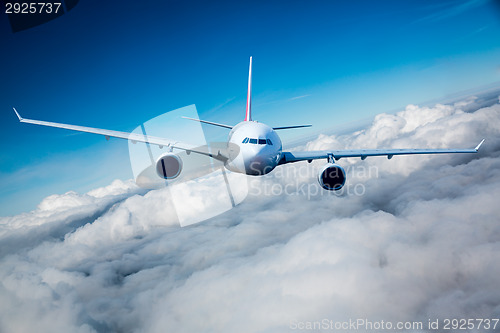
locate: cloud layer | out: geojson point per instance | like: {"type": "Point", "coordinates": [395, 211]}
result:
{"type": "Point", "coordinates": [411, 239]}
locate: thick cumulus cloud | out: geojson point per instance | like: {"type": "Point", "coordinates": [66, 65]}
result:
{"type": "Point", "coordinates": [409, 239]}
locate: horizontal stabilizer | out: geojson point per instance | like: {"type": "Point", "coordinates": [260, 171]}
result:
{"type": "Point", "coordinates": [209, 122]}
{"type": "Point", "coordinates": [288, 127]}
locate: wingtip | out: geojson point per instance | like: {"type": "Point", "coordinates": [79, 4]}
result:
{"type": "Point", "coordinates": [17, 114]}
{"type": "Point", "coordinates": [479, 145]}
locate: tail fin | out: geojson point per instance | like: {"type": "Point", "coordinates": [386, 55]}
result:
{"type": "Point", "coordinates": [248, 114]}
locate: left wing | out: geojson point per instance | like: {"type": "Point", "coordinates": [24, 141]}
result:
{"type": "Point", "coordinates": [134, 137]}
{"type": "Point", "coordinates": [289, 157]}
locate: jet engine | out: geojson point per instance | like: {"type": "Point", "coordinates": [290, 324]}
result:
{"type": "Point", "coordinates": [331, 177]}
{"type": "Point", "coordinates": [168, 166]}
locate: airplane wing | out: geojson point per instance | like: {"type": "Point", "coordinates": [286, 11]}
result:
{"type": "Point", "coordinates": [134, 137]}
{"type": "Point", "coordinates": [290, 157]}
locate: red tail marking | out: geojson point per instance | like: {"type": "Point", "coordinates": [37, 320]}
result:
{"type": "Point", "coordinates": [248, 114]}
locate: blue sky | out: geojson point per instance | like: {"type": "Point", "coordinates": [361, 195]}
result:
{"type": "Point", "coordinates": [116, 64]}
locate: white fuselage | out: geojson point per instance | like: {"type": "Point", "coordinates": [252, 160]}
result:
{"type": "Point", "coordinates": [259, 148]}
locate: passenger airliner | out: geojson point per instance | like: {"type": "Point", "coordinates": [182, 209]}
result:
{"type": "Point", "coordinates": [253, 148]}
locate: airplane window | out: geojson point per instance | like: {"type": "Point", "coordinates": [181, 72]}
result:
{"type": "Point", "coordinates": [254, 141]}
{"type": "Point", "coordinates": [245, 140]}
{"type": "Point", "coordinates": [269, 142]}
{"type": "Point", "coordinates": [262, 141]}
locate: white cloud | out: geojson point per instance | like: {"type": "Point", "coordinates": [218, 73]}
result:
{"type": "Point", "coordinates": [422, 242]}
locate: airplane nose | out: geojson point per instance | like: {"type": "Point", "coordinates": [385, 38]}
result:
{"type": "Point", "coordinates": [260, 165]}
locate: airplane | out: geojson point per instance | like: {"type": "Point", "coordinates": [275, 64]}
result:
{"type": "Point", "coordinates": [253, 148]}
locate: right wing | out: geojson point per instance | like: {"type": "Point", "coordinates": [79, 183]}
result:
{"type": "Point", "coordinates": [290, 157]}
{"type": "Point", "coordinates": [134, 137]}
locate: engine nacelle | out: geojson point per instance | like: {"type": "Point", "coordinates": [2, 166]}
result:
{"type": "Point", "coordinates": [332, 177]}
{"type": "Point", "coordinates": [168, 166]}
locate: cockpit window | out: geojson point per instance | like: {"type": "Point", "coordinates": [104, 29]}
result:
{"type": "Point", "coordinates": [257, 141]}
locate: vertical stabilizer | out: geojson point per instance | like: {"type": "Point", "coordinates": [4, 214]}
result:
{"type": "Point", "coordinates": [248, 114]}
